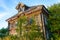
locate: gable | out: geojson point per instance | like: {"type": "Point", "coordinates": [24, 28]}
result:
{"type": "Point", "coordinates": [31, 10]}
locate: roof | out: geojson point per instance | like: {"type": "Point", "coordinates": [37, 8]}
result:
{"type": "Point", "coordinates": [29, 10]}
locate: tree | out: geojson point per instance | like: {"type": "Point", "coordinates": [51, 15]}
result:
{"type": "Point", "coordinates": [3, 33]}
{"type": "Point", "coordinates": [54, 20]}
{"type": "Point", "coordinates": [3, 30]}
{"type": "Point", "coordinates": [29, 27]}
{"type": "Point", "coordinates": [20, 21]}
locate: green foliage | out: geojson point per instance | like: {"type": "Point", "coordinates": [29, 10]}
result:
{"type": "Point", "coordinates": [3, 30]}
{"type": "Point", "coordinates": [20, 21]}
{"type": "Point", "coordinates": [29, 28]}
{"type": "Point", "coordinates": [54, 19]}
{"type": "Point", "coordinates": [3, 33]}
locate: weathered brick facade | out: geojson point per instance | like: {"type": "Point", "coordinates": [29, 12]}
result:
{"type": "Point", "coordinates": [40, 12]}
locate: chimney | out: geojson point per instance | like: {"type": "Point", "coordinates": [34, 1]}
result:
{"type": "Point", "coordinates": [21, 7]}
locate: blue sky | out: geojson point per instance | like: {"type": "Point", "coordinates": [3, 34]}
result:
{"type": "Point", "coordinates": [7, 8]}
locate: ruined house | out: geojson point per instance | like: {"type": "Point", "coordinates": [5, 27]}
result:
{"type": "Point", "coordinates": [40, 12]}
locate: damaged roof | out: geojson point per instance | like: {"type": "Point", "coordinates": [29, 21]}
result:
{"type": "Point", "coordinates": [29, 10]}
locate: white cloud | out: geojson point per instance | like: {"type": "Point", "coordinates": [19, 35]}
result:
{"type": "Point", "coordinates": [2, 15]}
{"type": "Point", "coordinates": [3, 24]}
{"type": "Point", "coordinates": [58, 1]}
{"type": "Point", "coordinates": [6, 14]}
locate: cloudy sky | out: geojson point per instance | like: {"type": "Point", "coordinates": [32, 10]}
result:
{"type": "Point", "coordinates": [7, 8]}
